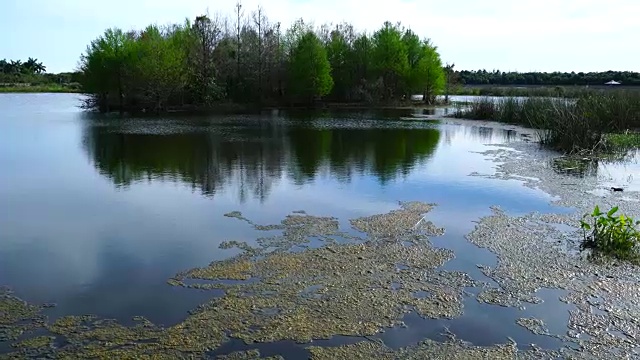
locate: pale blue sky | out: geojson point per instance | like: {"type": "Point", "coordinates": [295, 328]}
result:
{"type": "Point", "coordinates": [524, 35]}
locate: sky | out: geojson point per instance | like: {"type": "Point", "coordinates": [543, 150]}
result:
{"type": "Point", "coordinates": [509, 35]}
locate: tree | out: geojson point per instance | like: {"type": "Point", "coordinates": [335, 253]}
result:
{"type": "Point", "coordinates": [449, 74]}
{"type": "Point", "coordinates": [390, 58]}
{"type": "Point", "coordinates": [206, 35]}
{"type": "Point", "coordinates": [105, 65]}
{"type": "Point", "coordinates": [339, 54]}
{"type": "Point", "coordinates": [415, 53]}
{"type": "Point", "coordinates": [429, 73]}
{"type": "Point", "coordinates": [310, 71]}
{"type": "Point", "coordinates": [247, 59]}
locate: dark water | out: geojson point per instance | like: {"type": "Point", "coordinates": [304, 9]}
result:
{"type": "Point", "coordinates": [96, 213]}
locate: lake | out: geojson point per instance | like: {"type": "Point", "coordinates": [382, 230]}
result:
{"type": "Point", "coordinates": [98, 212]}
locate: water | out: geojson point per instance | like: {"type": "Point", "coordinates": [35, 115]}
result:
{"type": "Point", "coordinates": [98, 212]}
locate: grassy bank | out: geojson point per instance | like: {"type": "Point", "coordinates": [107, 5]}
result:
{"type": "Point", "coordinates": [569, 125]}
{"type": "Point", "coordinates": [46, 88]}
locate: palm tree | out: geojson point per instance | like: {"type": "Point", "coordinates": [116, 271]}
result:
{"type": "Point", "coordinates": [15, 66]}
{"type": "Point", "coordinates": [40, 68]}
{"type": "Point", "coordinates": [4, 66]}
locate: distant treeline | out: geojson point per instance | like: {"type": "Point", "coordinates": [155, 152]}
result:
{"type": "Point", "coordinates": [251, 60]}
{"type": "Point", "coordinates": [31, 74]}
{"type": "Point", "coordinates": [483, 77]}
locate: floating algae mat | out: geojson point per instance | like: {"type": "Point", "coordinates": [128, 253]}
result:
{"type": "Point", "coordinates": [532, 252]}
{"type": "Point", "coordinates": [428, 349]}
{"type": "Point", "coordinates": [357, 287]}
{"type": "Point", "coordinates": [17, 317]}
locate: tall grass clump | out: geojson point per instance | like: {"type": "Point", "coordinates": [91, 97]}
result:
{"type": "Point", "coordinates": [569, 125]}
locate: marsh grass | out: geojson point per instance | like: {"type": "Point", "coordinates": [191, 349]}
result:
{"type": "Point", "coordinates": [608, 234]}
{"type": "Point", "coordinates": [624, 140]}
{"type": "Point", "coordinates": [573, 126]}
{"type": "Point", "coordinates": [534, 91]}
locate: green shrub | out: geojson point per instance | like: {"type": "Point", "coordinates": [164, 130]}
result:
{"type": "Point", "coordinates": [611, 235]}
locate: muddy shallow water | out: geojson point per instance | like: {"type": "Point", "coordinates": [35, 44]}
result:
{"type": "Point", "coordinates": [300, 235]}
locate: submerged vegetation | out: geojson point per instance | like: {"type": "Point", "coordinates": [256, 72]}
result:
{"type": "Point", "coordinates": [206, 62]}
{"type": "Point", "coordinates": [611, 235]}
{"type": "Point", "coordinates": [571, 126]}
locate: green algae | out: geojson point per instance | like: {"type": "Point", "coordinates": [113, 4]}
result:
{"type": "Point", "coordinates": [248, 355]}
{"type": "Point", "coordinates": [236, 269]}
{"type": "Point", "coordinates": [534, 325]}
{"type": "Point", "coordinates": [359, 351]}
{"type": "Point", "coordinates": [356, 288]}
{"type": "Point", "coordinates": [17, 316]}
{"type": "Point", "coordinates": [454, 350]}
{"type": "Point", "coordinates": [402, 222]}
{"type": "Point", "coordinates": [533, 253]}
{"type": "Point", "coordinates": [297, 230]}
{"type": "Point", "coordinates": [354, 292]}
{"type": "Point", "coordinates": [505, 298]}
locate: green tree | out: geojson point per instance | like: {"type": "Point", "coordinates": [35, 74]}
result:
{"type": "Point", "coordinates": [338, 53]}
{"type": "Point", "coordinates": [310, 71]}
{"type": "Point", "coordinates": [429, 73]}
{"type": "Point", "coordinates": [161, 73]}
{"type": "Point", "coordinates": [105, 65]}
{"type": "Point", "coordinates": [390, 59]}
{"type": "Point", "coordinates": [415, 53]}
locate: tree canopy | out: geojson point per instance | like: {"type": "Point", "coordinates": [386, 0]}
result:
{"type": "Point", "coordinates": [251, 60]}
{"type": "Point", "coordinates": [31, 66]}
{"type": "Point", "coordinates": [310, 71]}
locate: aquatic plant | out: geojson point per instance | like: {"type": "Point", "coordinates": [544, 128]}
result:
{"type": "Point", "coordinates": [611, 235]}
{"type": "Point", "coordinates": [571, 126]}
{"type": "Point", "coordinates": [624, 140]}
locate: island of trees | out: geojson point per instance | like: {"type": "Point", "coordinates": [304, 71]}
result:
{"type": "Point", "coordinates": [253, 61]}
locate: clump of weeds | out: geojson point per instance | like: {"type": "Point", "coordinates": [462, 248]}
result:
{"type": "Point", "coordinates": [611, 235]}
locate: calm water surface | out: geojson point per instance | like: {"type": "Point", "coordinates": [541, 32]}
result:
{"type": "Point", "coordinates": [98, 212]}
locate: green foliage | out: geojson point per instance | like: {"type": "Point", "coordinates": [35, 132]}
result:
{"type": "Point", "coordinates": [626, 140]}
{"type": "Point", "coordinates": [342, 60]}
{"type": "Point", "coordinates": [429, 73]}
{"type": "Point", "coordinates": [611, 235]}
{"type": "Point", "coordinates": [567, 125]}
{"type": "Point", "coordinates": [310, 71]}
{"type": "Point", "coordinates": [18, 67]}
{"type": "Point", "coordinates": [390, 59]}
{"type": "Point", "coordinates": [207, 63]}
{"type": "Point", "coordinates": [31, 76]}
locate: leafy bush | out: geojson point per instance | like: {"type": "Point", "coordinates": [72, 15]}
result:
{"type": "Point", "coordinates": [611, 235]}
